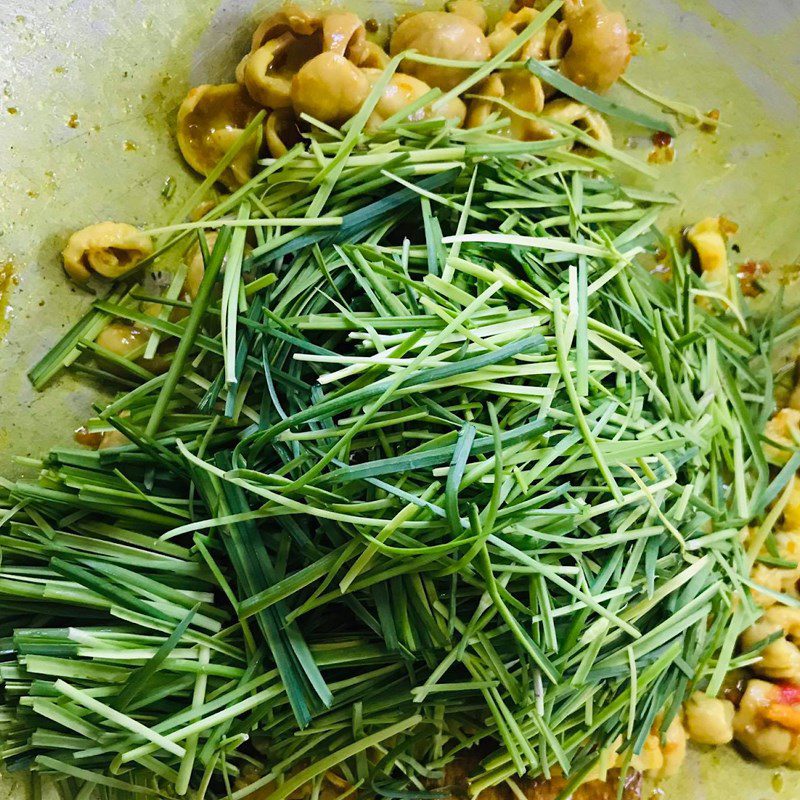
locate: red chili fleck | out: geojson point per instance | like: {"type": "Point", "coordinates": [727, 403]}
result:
{"type": "Point", "coordinates": [789, 694]}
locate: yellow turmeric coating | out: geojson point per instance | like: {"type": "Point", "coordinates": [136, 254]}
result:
{"type": "Point", "coordinates": [110, 249]}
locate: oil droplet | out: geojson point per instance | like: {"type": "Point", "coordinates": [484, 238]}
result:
{"type": "Point", "coordinates": [129, 145]}
{"type": "Point", "coordinates": [777, 782]}
{"type": "Point", "coordinates": [73, 121]}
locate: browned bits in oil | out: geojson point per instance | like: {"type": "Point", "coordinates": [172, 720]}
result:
{"type": "Point", "coordinates": [636, 42]}
{"type": "Point", "coordinates": [12, 110]}
{"type": "Point", "coordinates": [663, 152]}
{"type": "Point", "coordinates": [8, 280]}
{"type": "Point", "coordinates": [662, 155]}
{"type": "Point", "coordinates": [129, 146]}
{"type": "Point", "coordinates": [662, 268]}
{"type": "Point", "coordinates": [372, 25]}
{"type": "Point", "coordinates": [73, 121]}
{"type": "Point", "coordinates": [7, 274]}
{"type": "Point", "coordinates": [750, 274]}
{"type": "Point", "coordinates": [87, 438]}
{"type": "Point", "coordinates": [8, 277]}
{"type": "Point", "coordinates": [662, 139]}
{"type": "Point", "coordinates": [734, 686]}
{"type": "Point", "coordinates": [712, 121]}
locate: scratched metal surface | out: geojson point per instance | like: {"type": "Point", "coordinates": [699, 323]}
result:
{"type": "Point", "coordinates": [88, 92]}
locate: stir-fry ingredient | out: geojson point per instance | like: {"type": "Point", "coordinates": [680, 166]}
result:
{"type": "Point", "coordinates": [415, 478]}
{"type": "Point", "coordinates": [440, 34]}
{"type": "Point", "coordinates": [304, 69]}
{"type": "Point", "coordinates": [599, 50]}
{"type": "Point", "coordinates": [768, 723]}
{"type": "Point", "coordinates": [110, 249]}
{"type": "Point", "coordinates": [709, 720]}
{"type": "Point", "coordinates": [210, 120]}
{"type": "Point", "coordinates": [434, 476]}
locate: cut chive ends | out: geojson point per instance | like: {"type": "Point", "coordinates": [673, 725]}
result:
{"type": "Point", "coordinates": [451, 473]}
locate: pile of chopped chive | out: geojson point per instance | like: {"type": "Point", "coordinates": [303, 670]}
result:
{"type": "Point", "coordinates": [438, 468]}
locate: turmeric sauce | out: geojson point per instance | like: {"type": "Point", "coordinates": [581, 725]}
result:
{"type": "Point", "coordinates": [8, 280]}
